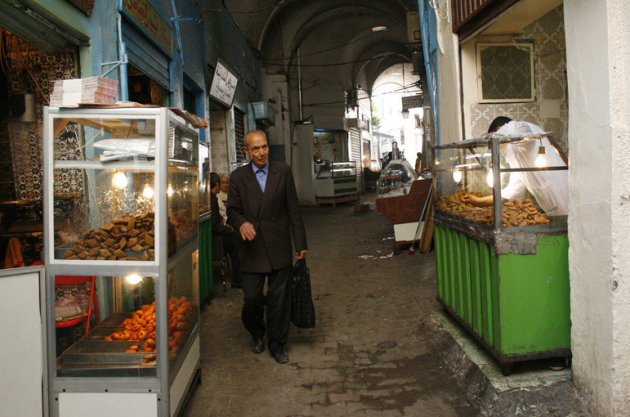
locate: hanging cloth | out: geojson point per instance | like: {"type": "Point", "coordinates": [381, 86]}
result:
{"type": "Point", "coordinates": [13, 257]}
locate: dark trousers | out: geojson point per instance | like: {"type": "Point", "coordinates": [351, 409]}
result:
{"type": "Point", "coordinates": [277, 301]}
{"type": "Point", "coordinates": [232, 243]}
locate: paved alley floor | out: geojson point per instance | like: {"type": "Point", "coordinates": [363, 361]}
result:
{"type": "Point", "coordinates": [366, 356]}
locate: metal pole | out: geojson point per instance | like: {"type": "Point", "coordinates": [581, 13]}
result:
{"type": "Point", "coordinates": [496, 174]}
{"type": "Point", "coordinates": [299, 84]}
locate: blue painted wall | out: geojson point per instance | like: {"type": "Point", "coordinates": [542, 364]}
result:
{"type": "Point", "coordinates": [225, 41]}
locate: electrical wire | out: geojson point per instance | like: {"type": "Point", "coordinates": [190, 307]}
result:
{"type": "Point", "coordinates": [403, 88]}
{"type": "Point", "coordinates": [334, 64]}
{"type": "Point", "coordinates": [321, 51]}
{"type": "Point", "coordinates": [262, 9]}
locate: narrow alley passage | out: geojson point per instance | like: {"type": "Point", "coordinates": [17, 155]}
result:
{"type": "Point", "coordinates": [366, 356]}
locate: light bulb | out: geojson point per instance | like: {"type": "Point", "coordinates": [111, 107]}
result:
{"type": "Point", "coordinates": [133, 279]}
{"type": "Point", "coordinates": [148, 192]}
{"type": "Point", "coordinates": [169, 190]}
{"type": "Point", "coordinates": [541, 160]}
{"type": "Point", "coordinates": [490, 178]}
{"type": "Point", "coordinates": [457, 176]}
{"type": "Point", "coordinates": [119, 180]}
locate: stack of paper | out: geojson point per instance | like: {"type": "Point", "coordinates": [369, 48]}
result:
{"type": "Point", "coordinates": [90, 90]}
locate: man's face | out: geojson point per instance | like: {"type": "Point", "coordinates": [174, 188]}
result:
{"type": "Point", "coordinates": [256, 148]}
{"type": "Point", "coordinates": [224, 184]}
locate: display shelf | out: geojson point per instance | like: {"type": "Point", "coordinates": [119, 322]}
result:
{"type": "Point", "coordinates": [119, 165]}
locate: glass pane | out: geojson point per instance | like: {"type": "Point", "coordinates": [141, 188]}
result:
{"type": "Point", "coordinates": [182, 206]}
{"type": "Point", "coordinates": [395, 179]}
{"type": "Point", "coordinates": [120, 313]}
{"type": "Point", "coordinates": [462, 172]}
{"type": "Point", "coordinates": [104, 189]}
{"type": "Point", "coordinates": [183, 305]}
{"type": "Point", "coordinates": [101, 139]}
{"type": "Point", "coordinates": [204, 178]}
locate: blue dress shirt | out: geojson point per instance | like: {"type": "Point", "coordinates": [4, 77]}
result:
{"type": "Point", "coordinates": [261, 175]}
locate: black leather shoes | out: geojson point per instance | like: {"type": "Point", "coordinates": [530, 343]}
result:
{"type": "Point", "coordinates": [258, 346]}
{"type": "Point", "coordinates": [279, 354]}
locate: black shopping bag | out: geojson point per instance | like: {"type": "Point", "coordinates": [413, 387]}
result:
{"type": "Point", "coordinates": [302, 309]}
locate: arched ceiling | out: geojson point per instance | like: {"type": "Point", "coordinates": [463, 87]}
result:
{"type": "Point", "coordinates": [333, 36]}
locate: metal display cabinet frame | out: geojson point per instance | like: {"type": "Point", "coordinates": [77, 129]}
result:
{"type": "Point", "coordinates": [508, 286]}
{"type": "Point", "coordinates": [160, 392]}
{"type": "Point", "coordinates": [337, 185]}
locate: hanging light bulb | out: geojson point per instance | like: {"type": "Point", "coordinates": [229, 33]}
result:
{"type": "Point", "coordinates": [148, 192]}
{"type": "Point", "coordinates": [541, 159]}
{"type": "Point", "coordinates": [490, 179]}
{"type": "Point", "coordinates": [169, 190]}
{"type": "Point", "coordinates": [133, 279]}
{"type": "Point", "coordinates": [457, 176]}
{"type": "Point", "coordinates": [119, 180]}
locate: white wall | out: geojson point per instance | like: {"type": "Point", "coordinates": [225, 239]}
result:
{"type": "Point", "coordinates": [449, 83]}
{"type": "Point", "coordinates": [275, 88]}
{"type": "Point", "coordinates": [302, 163]}
{"type": "Point", "coordinates": [599, 235]}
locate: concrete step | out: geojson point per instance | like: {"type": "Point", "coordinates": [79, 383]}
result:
{"type": "Point", "coordinates": [533, 389]}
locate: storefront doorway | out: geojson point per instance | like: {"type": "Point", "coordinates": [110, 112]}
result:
{"type": "Point", "coordinates": [26, 73]}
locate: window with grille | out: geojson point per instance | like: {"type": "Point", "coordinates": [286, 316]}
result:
{"type": "Point", "coordinates": [506, 72]}
{"type": "Point", "coordinates": [239, 135]}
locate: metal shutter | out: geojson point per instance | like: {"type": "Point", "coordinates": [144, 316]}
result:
{"type": "Point", "coordinates": [354, 145]}
{"type": "Point", "coordinates": [239, 135]}
{"type": "Point", "coordinates": [145, 56]}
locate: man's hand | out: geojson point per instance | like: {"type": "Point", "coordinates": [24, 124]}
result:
{"type": "Point", "coordinates": [247, 231]}
{"type": "Point", "coordinates": [301, 254]}
{"type": "Point", "coordinates": [468, 198]}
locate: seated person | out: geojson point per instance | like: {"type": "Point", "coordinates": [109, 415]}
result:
{"type": "Point", "coordinates": [549, 188]}
{"type": "Point", "coordinates": [224, 185]}
{"type": "Point", "coordinates": [223, 234]}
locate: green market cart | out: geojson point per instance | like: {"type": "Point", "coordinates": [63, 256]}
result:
{"type": "Point", "coordinates": [507, 285]}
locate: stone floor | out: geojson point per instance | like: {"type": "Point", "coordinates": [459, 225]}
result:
{"type": "Point", "coordinates": [372, 353]}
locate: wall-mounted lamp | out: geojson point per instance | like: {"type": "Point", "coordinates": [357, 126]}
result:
{"type": "Point", "coordinates": [307, 121]}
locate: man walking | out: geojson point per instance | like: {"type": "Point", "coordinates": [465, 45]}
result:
{"type": "Point", "coordinates": [263, 207]}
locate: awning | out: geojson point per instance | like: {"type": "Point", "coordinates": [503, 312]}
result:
{"type": "Point", "coordinates": [35, 28]}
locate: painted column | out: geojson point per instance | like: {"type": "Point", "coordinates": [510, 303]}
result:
{"type": "Point", "coordinates": [598, 64]}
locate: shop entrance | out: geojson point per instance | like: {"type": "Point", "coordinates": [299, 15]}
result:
{"type": "Point", "coordinates": [26, 73]}
{"type": "Point", "coordinates": [398, 127]}
{"type": "Point", "coordinates": [219, 123]}
{"type": "Point", "coordinates": [145, 90]}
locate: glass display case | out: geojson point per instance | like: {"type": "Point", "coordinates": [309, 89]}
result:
{"type": "Point", "coordinates": [336, 180]}
{"type": "Point", "coordinates": [501, 244]}
{"type": "Point", "coordinates": [123, 258]}
{"type": "Point", "coordinates": [395, 179]}
{"type": "Point", "coordinates": [204, 178]}
{"type": "Point", "coordinates": [523, 179]}
{"type": "Point", "coordinates": [338, 170]}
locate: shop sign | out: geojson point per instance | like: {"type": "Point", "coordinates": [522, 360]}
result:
{"type": "Point", "coordinates": [412, 102]}
{"type": "Point", "coordinates": [223, 84]}
{"type": "Point", "coordinates": [145, 15]}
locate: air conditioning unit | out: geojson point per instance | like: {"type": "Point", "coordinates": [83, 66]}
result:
{"type": "Point", "coordinates": [264, 112]}
{"type": "Point", "coordinates": [413, 27]}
